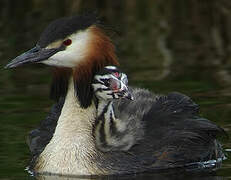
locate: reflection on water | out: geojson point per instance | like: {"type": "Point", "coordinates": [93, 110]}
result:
{"type": "Point", "coordinates": [156, 48]}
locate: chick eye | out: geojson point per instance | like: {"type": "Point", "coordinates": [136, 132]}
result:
{"type": "Point", "coordinates": [116, 74]}
{"type": "Point", "coordinates": [67, 42]}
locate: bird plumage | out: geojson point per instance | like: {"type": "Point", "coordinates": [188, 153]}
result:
{"type": "Point", "coordinates": [173, 135]}
{"type": "Point", "coordinates": [110, 132]}
{"type": "Point", "coordinates": [167, 129]}
{"type": "Point", "coordinates": [64, 27]}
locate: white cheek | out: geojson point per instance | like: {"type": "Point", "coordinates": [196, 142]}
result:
{"type": "Point", "coordinates": [73, 54]}
{"type": "Point", "coordinates": [67, 58]}
{"type": "Point", "coordinates": [61, 59]}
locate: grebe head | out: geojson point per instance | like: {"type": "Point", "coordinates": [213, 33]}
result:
{"type": "Point", "coordinates": [110, 83]}
{"type": "Point", "coordinates": [76, 46]}
{"type": "Point", "coordinates": [68, 42]}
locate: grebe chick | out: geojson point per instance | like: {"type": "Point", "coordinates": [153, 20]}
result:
{"type": "Point", "coordinates": [110, 132]}
{"type": "Point", "coordinates": [168, 131]}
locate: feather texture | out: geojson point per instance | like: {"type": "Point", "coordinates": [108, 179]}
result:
{"type": "Point", "coordinates": [170, 134]}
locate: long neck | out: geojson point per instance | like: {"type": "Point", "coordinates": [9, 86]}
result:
{"type": "Point", "coordinates": [71, 149]}
{"type": "Point", "coordinates": [73, 114]}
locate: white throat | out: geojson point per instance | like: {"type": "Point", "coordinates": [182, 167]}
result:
{"type": "Point", "coordinates": [71, 149]}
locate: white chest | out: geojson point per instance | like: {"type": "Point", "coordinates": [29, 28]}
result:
{"type": "Point", "coordinates": [71, 149]}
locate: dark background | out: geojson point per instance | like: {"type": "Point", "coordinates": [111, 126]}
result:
{"type": "Point", "coordinates": [163, 45]}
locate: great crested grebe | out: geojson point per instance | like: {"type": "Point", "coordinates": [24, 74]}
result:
{"type": "Point", "coordinates": [165, 131]}
{"type": "Point", "coordinates": [110, 132]}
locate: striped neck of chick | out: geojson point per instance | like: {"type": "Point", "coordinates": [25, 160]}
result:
{"type": "Point", "coordinates": [109, 131]}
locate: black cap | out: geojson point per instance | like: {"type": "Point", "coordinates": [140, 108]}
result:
{"type": "Point", "coordinates": [63, 27]}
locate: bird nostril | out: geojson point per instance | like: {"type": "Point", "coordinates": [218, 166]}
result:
{"type": "Point", "coordinates": [34, 50]}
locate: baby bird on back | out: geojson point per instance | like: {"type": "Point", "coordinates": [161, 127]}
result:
{"type": "Point", "coordinates": [111, 132]}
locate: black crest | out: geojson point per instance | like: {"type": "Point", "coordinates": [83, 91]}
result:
{"type": "Point", "coordinates": [84, 91]}
{"type": "Point", "coordinates": [61, 28]}
{"type": "Point", "coordinates": [60, 83]}
{"type": "Point", "coordinates": [83, 84]}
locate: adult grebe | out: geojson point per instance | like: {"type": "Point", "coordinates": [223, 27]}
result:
{"type": "Point", "coordinates": [171, 133]}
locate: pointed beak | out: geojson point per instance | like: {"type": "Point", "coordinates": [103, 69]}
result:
{"type": "Point", "coordinates": [34, 55]}
{"type": "Point", "coordinates": [126, 93]}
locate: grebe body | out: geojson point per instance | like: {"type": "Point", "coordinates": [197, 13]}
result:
{"type": "Point", "coordinates": [163, 131]}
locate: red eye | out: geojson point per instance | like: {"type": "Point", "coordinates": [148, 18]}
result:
{"type": "Point", "coordinates": [67, 42]}
{"type": "Point", "coordinates": [116, 74]}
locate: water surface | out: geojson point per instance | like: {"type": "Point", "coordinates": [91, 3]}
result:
{"type": "Point", "coordinates": [144, 55]}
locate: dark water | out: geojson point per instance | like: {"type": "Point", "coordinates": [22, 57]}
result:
{"type": "Point", "coordinates": [144, 54]}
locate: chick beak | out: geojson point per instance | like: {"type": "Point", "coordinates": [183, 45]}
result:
{"type": "Point", "coordinates": [126, 92]}
{"type": "Point", "coordinates": [34, 55]}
